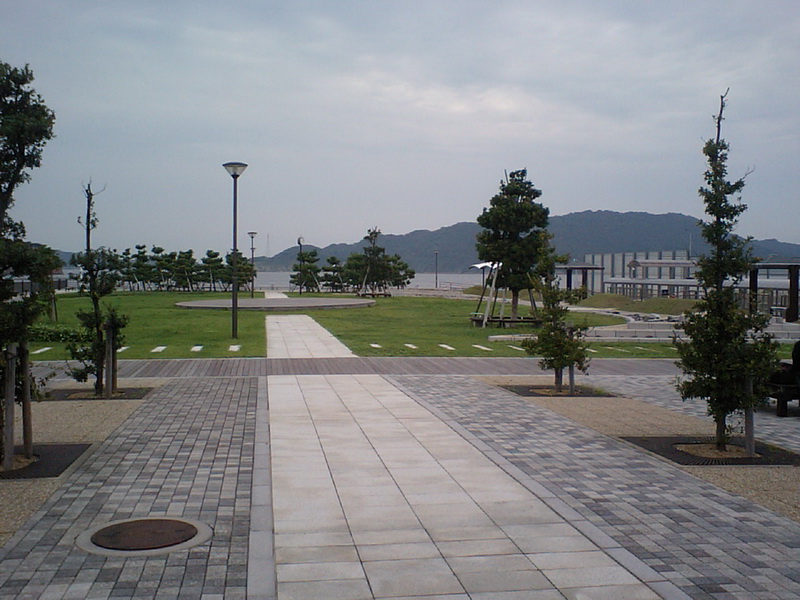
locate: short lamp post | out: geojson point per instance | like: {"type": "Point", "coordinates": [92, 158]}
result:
{"type": "Point", "coordinates": [235, 169]}
{"type": "Point", "coordinates": [253, 235]}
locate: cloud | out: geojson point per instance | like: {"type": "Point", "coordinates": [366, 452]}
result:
{"type": "Point", "coordinates": [357, 113]}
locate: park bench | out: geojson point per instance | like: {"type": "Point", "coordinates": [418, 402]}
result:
{"type": "Point", "coordinates": [783, 394]}
{"type": "Point", "coordinates": [374, 295]}
{"type": "Point", "coordinates": [477, 321]}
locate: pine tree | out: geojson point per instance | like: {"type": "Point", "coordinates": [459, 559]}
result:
{"type": "Point", "coordinates": [728, 356]}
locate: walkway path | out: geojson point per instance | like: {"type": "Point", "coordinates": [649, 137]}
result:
{"type": "Point", "coordinates": [378, 483]}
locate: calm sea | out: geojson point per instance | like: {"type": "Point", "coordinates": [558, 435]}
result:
{"type": "Point", "coordinates": [446, 281]}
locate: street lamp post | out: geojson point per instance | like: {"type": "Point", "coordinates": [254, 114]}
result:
{"type": "Point", "coordinates": [235, 169]}
{"type": "Point", "coordinates": [436, 270]}
{"type": "Point", "coordinates": [300, 262]}
{"type": "Point", "coordinates": [253, 235]}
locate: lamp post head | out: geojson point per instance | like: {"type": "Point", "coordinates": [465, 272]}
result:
{"type": "Point", "coordinates": [252, 234]}
{"type": "Point", "coordinates": [235, 168]}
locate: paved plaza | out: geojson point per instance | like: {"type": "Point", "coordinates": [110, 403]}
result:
{"type": "Point", "coordinates": [328, 476]}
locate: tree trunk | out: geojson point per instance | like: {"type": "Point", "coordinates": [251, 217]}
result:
{"type": "Point", "coordinates": [559, 380]}
{"type": "Point", "coordinates": [27, 419]}
{"type": "Point", "coordinates": [514, 304]}
{"type": "Point", "coordinates": [749, 424]}
{"type": "Point", "coordinates": [572, 380]}
{"type": "Point", "coordinates": [10, 373]}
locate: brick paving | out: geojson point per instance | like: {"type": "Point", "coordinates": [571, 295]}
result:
{"type": "Point", "coordinates": [199, 448]}
{"type": "Point", "coordinates": [711, 544]}
{"type": "Point", "coordinates": [187, 452]}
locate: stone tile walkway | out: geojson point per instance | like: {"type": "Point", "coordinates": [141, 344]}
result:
{"type": "Point", "coordinates": [375, 498]}
{"type": "Point", "coordinates": [300, 336]}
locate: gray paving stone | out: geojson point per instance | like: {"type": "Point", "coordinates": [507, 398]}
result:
{"type": "Point", "coordinates": [190, 441]}
{"type": "Point", "coordinates": [700, 537]}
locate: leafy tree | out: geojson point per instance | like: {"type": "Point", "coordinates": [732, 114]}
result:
{"type": "Point", "coordinates": [185, 269]}
{"type": "Point", "coordinates": [98, 277]}
{"type": "Point", "coordinates": [26, 125]}
{"type": "Point", "coordinates": [728, 356]}
{"type": "Point", "coordinates": [374, 270]}
{"type": "Point", "coordinates": [561, 344]}
{"type": "Point", "coordinates": [306, 272]}
{"type": "Point", "coordinates": [511, 234]}
{"type": "Point", "coordinates": [212, 269]}
{"type": "Point", "coordinates": [332, 275]}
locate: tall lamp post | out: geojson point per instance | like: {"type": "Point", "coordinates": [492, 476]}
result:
{"type": "Point", "coordinates": [436, 270]}
{"type": "Point", "coordinates": [253, 235]}
{"type": "Point", "coordinates": [235, 169]}
{"type": "Point", "coordinates": [300, 262]}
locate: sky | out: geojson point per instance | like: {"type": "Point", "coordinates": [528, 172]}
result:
{"type": "Point", "coordinates": [403, 115]}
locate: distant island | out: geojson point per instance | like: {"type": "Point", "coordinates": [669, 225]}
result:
{"type": "Point", "coordinates": [575, 234]}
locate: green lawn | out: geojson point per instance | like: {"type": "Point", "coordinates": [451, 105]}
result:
{"type": "Point", "coordinates": [425, 323]}
{"type": "Point", "coordinates": [156, 321]}
{"type": "Point", "coordinates": [390, 325]}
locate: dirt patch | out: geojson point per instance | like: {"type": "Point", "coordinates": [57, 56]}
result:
{"type": "Point", "coordinates": [62, 394]}
{"type": "Point", "coordinates": [711, 451]}
{"type": "Point", "coordinates": [582, 391]}
{"type": "Point", "coordinates": [697, 451]}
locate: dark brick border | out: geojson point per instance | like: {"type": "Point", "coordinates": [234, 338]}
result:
{"type": "Point", "coordinates": [665, 447]}
{"type": "Point", "coordinates": [53, 460]}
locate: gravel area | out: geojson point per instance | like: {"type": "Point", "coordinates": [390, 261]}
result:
{"type": "Point", "coordinates": [70, 422]}
{"type": "Point", "coordinates": [774, 487]}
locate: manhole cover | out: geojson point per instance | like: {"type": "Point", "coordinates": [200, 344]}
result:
{"type": "Point", "coordinates": [149, 536]}
{"type": "Point", "coordinates": [144, 534]}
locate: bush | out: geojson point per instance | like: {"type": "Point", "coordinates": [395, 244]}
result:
{"type": "Point", "coordinates": [56, 333]}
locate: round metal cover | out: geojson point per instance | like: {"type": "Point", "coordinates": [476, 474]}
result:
{"type": "Point", "coordinates": [144, 534]}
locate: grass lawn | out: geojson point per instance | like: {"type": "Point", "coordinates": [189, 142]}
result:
{"type": "Point", "coordinates": [382, 330]}
{"type": "Point", "coordinates": [156, 321]}
{"type": "Point", "coordinates": [425, 323]}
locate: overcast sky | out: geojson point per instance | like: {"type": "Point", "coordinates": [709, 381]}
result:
{"type": "Point", "coordinates": [404, 115]}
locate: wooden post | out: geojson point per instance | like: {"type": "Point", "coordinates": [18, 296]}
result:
{"type": "Point", "coordinates": [749, 425]}
{"type": "Point", "coordinates": [792, 312]}
{"type": "Point", "coordinates": [9, 398]}
{"type": "Point", "coordinates": [753, 300]}
{"type": "Point", "coordinates": [108, 375]}
{"type": "Point", "coordinates": [571, 330]}
{"type": "Point", "coordinates": [27, 418]}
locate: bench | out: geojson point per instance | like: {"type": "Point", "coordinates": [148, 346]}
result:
{"type": "Point", "coordinates": [783, 394]}
{"type": "Point", "coordinates": [374, 295]}
{"type": "Point", "coordinates": [477, 321]}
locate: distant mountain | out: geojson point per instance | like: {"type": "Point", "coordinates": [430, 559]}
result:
{"type": "Point", "coordinates": [575, 234]}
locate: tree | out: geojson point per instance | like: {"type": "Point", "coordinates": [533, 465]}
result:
{"type": "Point", "coordinates": [26, 125]}
{"type": "Point", "coordinates": [561, 344]}
{"type": "Point", "coordinates": [374, 270]}
{"type": "Point", "coordinates": [332, 275]}
{"type": "Point", "coordinates": [306, 271]}
{"type": "Point", "coordinates": [728, 357]}
{"type": "Point", "coordinates": [212, 269]}
{"type": "Point", "coordinates": [511, 234]}
{"type": "Point", "coordinates": [98, 277]}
